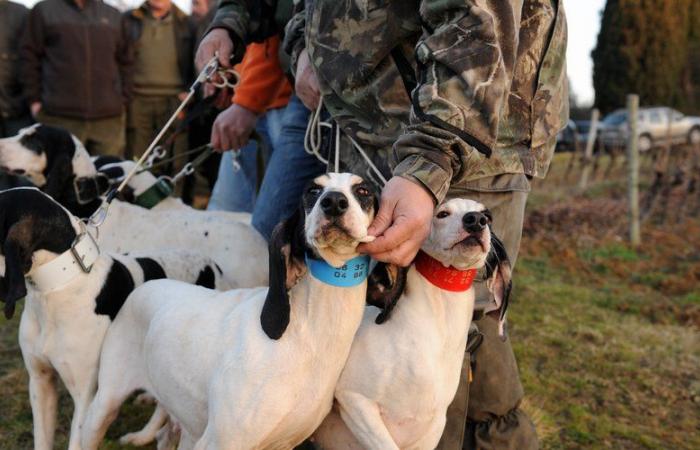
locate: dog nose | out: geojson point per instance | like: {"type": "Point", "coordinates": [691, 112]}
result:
{"type": "Point", "coordinates": [334, 204]}
{"type": "Point", "coordinates": [474, 222]}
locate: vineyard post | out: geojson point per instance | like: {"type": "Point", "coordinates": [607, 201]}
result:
{"type": "Point", "coordinates": [633, 168]}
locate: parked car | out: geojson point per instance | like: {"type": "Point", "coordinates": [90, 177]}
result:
{"type": "Point", "coordinates": [655, 127]}
{"type": "Point", "coordinates": [567, 137]}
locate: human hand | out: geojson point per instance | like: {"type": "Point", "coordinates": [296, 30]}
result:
{"type": "Point", "coordinates": [232, 128]}
{"type": "Point", "coordinates": [34, 108]}
{"type": "Point", "coordinates": [306, 83]}
{"type": "Point", "coordinates": [217, 40]}
{"type": "Point", "coordinates": [402, 223]}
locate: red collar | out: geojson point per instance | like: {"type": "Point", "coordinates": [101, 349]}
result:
{"type": "Point", "coordinates": [447, 278]}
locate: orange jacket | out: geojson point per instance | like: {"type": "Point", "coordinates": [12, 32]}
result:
{"type": "Point", "coordinates": [263, 85]}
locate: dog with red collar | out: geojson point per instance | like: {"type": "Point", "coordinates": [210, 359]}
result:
{"type": "Point", "coordinates": [404, 369]}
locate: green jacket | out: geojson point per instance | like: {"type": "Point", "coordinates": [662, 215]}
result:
{"type": "Point", "coordinates": [491, 78]}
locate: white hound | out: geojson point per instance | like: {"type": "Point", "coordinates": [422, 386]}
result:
{"type": "Point", "coordinates": [249, 368]}
{"type": "Point", "coordinates": [72, 294]}
{"type": "Point", "coordinates": [402, 374]}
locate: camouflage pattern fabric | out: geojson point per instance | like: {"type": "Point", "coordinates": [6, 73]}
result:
{"type": "Point", "coordinates": [493, 68]}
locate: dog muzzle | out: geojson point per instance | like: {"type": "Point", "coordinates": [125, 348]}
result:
{"type": "Point", "coordinates": [78, 259]}
{"type": "Point", "coordinates": [350, 274]}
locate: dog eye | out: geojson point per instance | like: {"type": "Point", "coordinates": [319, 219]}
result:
{"type": "Point", "coordinates": [314, 190]}
{"type": "Point", "coordinates": [442, 214]}
{"type": "Point", "coordinates": [364, 192]}
{"type": "Point", "coordinates": [487, 213]}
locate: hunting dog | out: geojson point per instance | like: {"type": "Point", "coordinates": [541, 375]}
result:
{"type": "Point", "coordinates": [402, 374]}
{"type": "Point", "coordinates": [249, 368]}
{"type": "Point", "coordinates": [73, 292]}
{"type": "Point", "coordinates": [60, 166]}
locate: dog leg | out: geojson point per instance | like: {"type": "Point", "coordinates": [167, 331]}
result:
{"type": "Point", "coordinates": [168, 436]}
{"type": "Point", "coordinates": [101, 413]}
{"type": "Point", "coordinates": [362, 416]}
{"type": "Point", "coordinates": [43, 398]}
{"type": "Point", "coordinates": [149, 432]}
{"type": "Point", "coordinates": [432, 437]}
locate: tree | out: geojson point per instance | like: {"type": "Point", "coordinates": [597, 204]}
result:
{"type": "Point", "coordinates": [644, 46]}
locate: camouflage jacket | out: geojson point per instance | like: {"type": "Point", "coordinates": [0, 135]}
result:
{"type": "Point", "coordinates": [491, 70]}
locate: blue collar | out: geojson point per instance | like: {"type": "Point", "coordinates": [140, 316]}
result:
{"type": "Point", "coordinates": [352, 273]}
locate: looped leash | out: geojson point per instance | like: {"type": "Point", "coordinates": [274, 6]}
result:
{"type": "Point", "coordinates": [207, 73]}
{"type": "Point", "coordinates": [313, 141]}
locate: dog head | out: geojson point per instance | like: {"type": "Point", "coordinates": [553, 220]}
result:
{"type": "Point", "coordinates": [461, 237]}
{"type": "Point", "coordinates": [336, 210]}
{"type": "Point", "coordinates": [34, 229]}
{"type": "Point", "coordinates": [49, 156]}
{"type": "Point", "coordinates": [116, 170]}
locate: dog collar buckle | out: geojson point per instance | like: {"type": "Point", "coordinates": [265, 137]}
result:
{"type": "Point", "coordinates": [446, 278]}
{"type": "Point", "coordinates": [79, 258]}
{"type": "Point", "coordinates": [350, 274]}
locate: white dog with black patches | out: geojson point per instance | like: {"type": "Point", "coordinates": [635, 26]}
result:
{"type": "Point", "coordinates": [402, 374]}
{"type": "Point", "coordinates": [253, 368]}
{"type": "Point", "coordinates": [60, 166]}
{"type": "Point", "coordinates": [72, 293]}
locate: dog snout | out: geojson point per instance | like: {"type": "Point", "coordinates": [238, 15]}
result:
{"type": "Point", "coordinates": [474, 222]}
{"type": "Point", "coordinates": [334, 204]}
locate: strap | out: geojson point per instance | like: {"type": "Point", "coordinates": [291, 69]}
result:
{"type": "Point", "coordinates": [159, 191]}
{"type": "Point", "coordinates": [408, 76]}
{"type": "Point", "coordinates": [446, 278]}
{"type": "Point", "coordinates": [352, 273]}
{"type": "Point", "coordinates": [88, 189]}
{"type": "Point", "coordinates": [64, 268]}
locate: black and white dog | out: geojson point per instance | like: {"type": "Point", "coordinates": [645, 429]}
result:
{"type": "Point", "coordinates": [249, 368]}
{"type": "Point", "coordinates": [72, 293]}
{"type": "Point", "coordinates": [57, 162]}
{"type": "Point", "coordinates": [402, 375]}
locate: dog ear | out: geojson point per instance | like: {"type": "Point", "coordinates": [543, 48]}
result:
{"type": "Point", "coordinates": [286, 267]}
{"type": "Point", "coordinates": [384, 288]}
{"type": "Point", "coordinates": [498, 275]}
{"type": "Point", "coordinates": [59, 171]}
{"type": "Point", "coordinates": [59, 159]}
{"type": "Point", "coordinates": [18, 261]}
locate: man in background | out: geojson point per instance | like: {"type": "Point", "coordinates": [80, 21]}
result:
{"type": "Point", "coordinates": [162, 39]}
{"type": "Point", "coordinates": [76, 68]}
{"type": "Point", "coordinates": [14, 113]}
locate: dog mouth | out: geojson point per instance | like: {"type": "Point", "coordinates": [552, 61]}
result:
{"type": "Point", "coordinates": [335, 233]}
{"type": "Point", "coordinates": [470, 242]}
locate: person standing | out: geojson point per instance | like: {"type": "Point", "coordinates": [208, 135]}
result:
{"type": "Point", "coordinates": [162, 39]}
{"type": "Point", "coordinates": [76, 71]}
{"type": "Point", "coordinates": [460, 98]}
{"type": "Point", "coordinates": [14, 112]}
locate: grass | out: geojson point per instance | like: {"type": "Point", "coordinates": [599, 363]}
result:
{"type": "Point", "coordinates": [607, 336]}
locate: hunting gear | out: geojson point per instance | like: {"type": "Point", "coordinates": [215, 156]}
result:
{"type": "Point", "coordinates": [454, 98]}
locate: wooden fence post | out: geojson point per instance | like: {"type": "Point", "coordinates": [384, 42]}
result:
{"type": "Point", "coordinates": [588, 153]}
{"type": "Point", "coordinates": [633, 168]}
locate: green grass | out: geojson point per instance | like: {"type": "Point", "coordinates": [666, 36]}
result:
{"type": "Point", "coordinates": [607, 337]}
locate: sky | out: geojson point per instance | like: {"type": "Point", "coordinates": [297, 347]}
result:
{"type": "Point", "coordinates": [584, 23]}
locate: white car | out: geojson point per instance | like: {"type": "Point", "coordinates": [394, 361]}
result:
{"type": "Point", "coordinates": [656, 126]}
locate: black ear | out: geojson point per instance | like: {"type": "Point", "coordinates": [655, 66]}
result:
{"type": "Point", "coordinates": [59, 171]}
{"type": "Point", "coordinates": [59, 148]}
{"type": "Point", "coordinates": [18, 261]}
{"type": "Point", "coordinates": [287, 248]}
{"type": "Point", "coordinates": [384, 288]}
{"type": "Point", "coordinates": [498, 274]}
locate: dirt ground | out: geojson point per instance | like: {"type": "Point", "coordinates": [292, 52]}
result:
{"type": "Point", "coordinates": [607, 336]}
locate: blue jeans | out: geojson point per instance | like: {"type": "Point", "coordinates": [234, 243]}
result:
{"type": "Point", "coordinates": [235, 190]}
{"type": "Point", "coordinates": [289, 170]}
